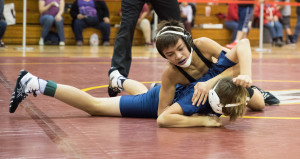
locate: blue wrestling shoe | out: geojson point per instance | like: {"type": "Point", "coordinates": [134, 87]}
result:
{"type": "Point", "coordinates": [114, 87]}
{"type": "Point", "coordinates": [26, 83]}
{"type": "Point", "coordinates": [270, 99]}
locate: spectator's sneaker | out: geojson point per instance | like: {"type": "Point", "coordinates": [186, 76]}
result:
{"type": "Point", "coordinates": [79, 43]}
{"type": "Point", "coordinates": [114, 86]}
{"type": "Point", "coordinates": [270, 99]}
{"type": "Point", "coordinates": [62, 43]}
{"type": "Point", "coordinates": [2, 44]}
{"type": "Point", "coordinates": [230, 46]}
{"type": "Point", "coordinates": [295, 38]}
{"type": "Point", "coordinates": [26, 83]}
{"type": "Point", "coordinates": [41, 42]}
{"type": "Point", "coordinates": [278, 42]}
{"type": "Point", "coordinates": [106, 43]}
{"type": "Point", "coordinates": [154, 85]}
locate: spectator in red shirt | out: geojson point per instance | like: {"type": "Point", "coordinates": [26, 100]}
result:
{"type": "Point", "coordinates": [271, 21]}
{"type": "Point", "coordinates": [232, 19]}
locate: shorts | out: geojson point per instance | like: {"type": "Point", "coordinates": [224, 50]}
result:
{"type": "Point", "coordinates": [142, 105]}
{"type": "Point", "coordinates": [285, 21]}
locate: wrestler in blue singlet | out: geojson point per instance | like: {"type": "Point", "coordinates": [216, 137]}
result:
{"type": "Point", "coordinates": [146, 105]}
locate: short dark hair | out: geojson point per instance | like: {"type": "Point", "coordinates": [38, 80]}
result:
{"type": "Point", "coordinates": [166, 40]}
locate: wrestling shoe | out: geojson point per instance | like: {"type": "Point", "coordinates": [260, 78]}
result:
{"type": "Point", "coordinates": [114, 86]}
{"type": "Point", "coordinates": [270, 99]}
{"type": "Point", "coordinates": [26, 83]}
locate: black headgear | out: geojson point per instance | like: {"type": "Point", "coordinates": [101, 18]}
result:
{"type": "Point", "coordinates": [185, 35]}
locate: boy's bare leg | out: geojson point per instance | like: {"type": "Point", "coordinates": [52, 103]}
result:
{"type": "Point", "coordinates": [28, 83]}
{"type": "Point", "coordinates": [134, 87]}
{"type": "Point", "coordinates": [118, 83]}
{"type": "Point", "coordinates": [84, 101]}
{"type": "Point", "coordinates": [257, 102]}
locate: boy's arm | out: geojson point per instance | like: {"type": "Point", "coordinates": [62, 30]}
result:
{"type": "Point", "coordinates": [167, 91]}
{"type": "Point", "coordinates": [201, 89]}
{"type": "Point", "coordinates": [240, 54]}
{"type": "Point", "coordinates": [173, 117]}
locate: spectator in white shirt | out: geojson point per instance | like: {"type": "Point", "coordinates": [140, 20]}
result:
{"type": "Point", "coordinates": [186, 15]}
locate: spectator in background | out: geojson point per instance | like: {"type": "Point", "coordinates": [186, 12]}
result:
{"type": "Point", "coordinates": [232, 19]}
{"type": "Point", "coordinates": [271, 21]}
{"type": "Point", "coordinates": [245, 12]}
{"type": "Point", "coordinates": [193, 5]}
{"type": "Point", "coordinates": [285, 11]}
{"type": "Point", "coordinates": [144, 25]}
{"type": "Point", "coordinates": [186, 15]}
{"type": "Point", "coordinates": [90, 13]}
{"type": "Point", "coordinates": [51, 13]}
{"type": "Point", "coordinates": [2, 23]}
{"type": "Point", "coordinates": [297, 28]}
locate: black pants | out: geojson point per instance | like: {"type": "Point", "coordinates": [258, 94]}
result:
{"type": "Point", "coordinates": [3, 25]}
{"type": "Point", "coordinates": [165, 9]}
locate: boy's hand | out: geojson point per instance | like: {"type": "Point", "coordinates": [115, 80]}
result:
{"type": "Point", "coordinates": [242, 80]}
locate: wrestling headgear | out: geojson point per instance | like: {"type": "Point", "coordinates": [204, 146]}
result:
{"type": "Point", "coordinates": [185, 35]}
{"type": "Point", "coordinates": [214, 101]}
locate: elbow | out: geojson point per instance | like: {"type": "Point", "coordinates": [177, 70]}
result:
{"type": "Point", "coordinates": [162, 121]}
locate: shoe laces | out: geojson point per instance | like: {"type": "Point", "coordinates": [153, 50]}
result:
{"type": "Point", "coordinates": [32, 86]}
{"type": "Point", "coordinates": [33, 92]}
{"type": "Point", "coordinates": [114, 84]}
{"type": "Point", "coordinates": [266, 95]}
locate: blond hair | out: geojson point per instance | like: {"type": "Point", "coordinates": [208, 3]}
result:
{"type": "Point", "coordinates": [230, 93]}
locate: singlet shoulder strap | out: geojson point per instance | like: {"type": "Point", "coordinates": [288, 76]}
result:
{"type": "Point", "coordinates": [190, 78]}
{"type": "Point", "coordinates": [208, 63]}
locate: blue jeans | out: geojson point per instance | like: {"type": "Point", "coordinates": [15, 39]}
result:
{"type": "Point", "coordinates": [276, 30]}
{"type": "Point", "coordinates": [232, 25]}
{"type": "Point", "coordinates": [47, 22]}
{"type": "Point", "coordinates": [245, 15]}
{"type": "Point", "coordinates": [79, 25]}
{"type": "Point", "coordinates": [297, 29]}
{"type": "Point", "coordinates": [2, 28]}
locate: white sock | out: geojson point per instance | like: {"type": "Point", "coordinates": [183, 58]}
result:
{"type": "Point", "coordinates": [120, 78]}
{"type": "Point", "coordinates": [114, 73]}
{"type": "Point", "coordinates": [120, 81]}
{"type": "Point", "coordinates": [42, 84]}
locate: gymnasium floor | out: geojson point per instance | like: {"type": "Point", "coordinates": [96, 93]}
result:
{"type": "Point", "coordinates": [43, 127]}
